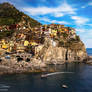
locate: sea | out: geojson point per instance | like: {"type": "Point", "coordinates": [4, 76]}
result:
{"type": "Point", "coordinates": [76, 76]}
{"type": "Point", "coordinates": [89, 51]}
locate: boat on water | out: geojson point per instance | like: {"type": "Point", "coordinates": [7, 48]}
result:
{"type": "Point", "coordinates": [49, 74]}
{"type": "Point", "coordinates": [44, 76]}
{"type": "Point", "coordinates": [64, 86]}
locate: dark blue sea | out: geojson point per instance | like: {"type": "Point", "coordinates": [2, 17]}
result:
{"type": "Point", "coordinates": [89, 51]}
{"type": "Point", "coordinates": [80, 80]}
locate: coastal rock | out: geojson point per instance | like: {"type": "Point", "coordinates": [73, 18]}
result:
{"type": "Point", "coordinates": [43, 65]}
{"type": "Point", "coordinates": [54, 54]}
{"type": "Point", "coordinates": [89, 60]}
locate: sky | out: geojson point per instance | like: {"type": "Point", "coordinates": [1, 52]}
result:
{"type": "Point", "coordinates": [72, 13]}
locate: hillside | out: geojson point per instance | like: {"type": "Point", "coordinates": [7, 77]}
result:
{"type": "Point", "coordinates": [53, 42]}
{"type": "Point", "coordinates": [10, 15]}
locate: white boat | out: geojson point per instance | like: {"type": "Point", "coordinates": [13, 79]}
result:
{"type": "Point", "coordinates": [50, 74]}
{"type": "Point", "coordinates": [44, 76]}
{"type": "Point", "coordinates": [64, 86]}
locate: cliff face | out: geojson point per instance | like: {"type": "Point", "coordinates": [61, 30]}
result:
{"type": "Point", "coordinates": [51, 53]}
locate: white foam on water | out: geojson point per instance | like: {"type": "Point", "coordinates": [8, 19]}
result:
{"type": "Point", "coordinates": [57, 73]}
{"type": "Point", "coordinates": [4, 88]}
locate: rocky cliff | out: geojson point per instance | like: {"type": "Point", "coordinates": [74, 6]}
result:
{"type": "Point", "coordinates": [52, 53]}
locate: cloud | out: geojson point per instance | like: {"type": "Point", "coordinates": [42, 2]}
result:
{"type": "Point", "coordinates": [61, 10]}
{"type": "Point", "coordinates": [88, 43]}
{"type": "Point", "coordinates": [83, 7]}
{"type": "Point", "coordinates": [59, 22]}
{"type": "Point", "coordinates": [58, 14]}
{"type": "Point", "coordinates": [88, 4]}
{"type": "Point", "coordinates": [51, 21]}
{"type": "Point", "coordinates": [44, 19]}
{"type": "Point", "coordinates": [89, 25]}
{"type": "Point", "coordinates": [80, 20]}
{"type": "Point", "coordinates": [85, 35]}
{"type": "Point", "coordinates": [81, 30]}
{"type": "Point", "coordinates": [84, 30]}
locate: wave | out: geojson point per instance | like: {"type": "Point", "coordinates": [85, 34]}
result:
{"type": "Point", "coordinates": [57, 73]}
{"type": "Point", "coordinates": [4, 87]}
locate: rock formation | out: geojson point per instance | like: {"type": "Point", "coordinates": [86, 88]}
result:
{"type": "Point", "coordinates": [51, 53]}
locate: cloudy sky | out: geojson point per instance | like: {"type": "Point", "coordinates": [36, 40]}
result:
{"type": "Point", "coordinates": [73, 13]}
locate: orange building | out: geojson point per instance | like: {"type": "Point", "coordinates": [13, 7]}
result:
{"type": "Point", "coordinates": [64, 29]}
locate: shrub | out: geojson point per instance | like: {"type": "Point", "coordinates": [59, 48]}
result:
{"type": "Point", "coordinates": [65, 35]}
{"type": "Point", "coordinates": [61, 43]}
{"type": "Point", "coordinates": [6, 33]}
{"type": "Point", "coordinates": [77, 38]}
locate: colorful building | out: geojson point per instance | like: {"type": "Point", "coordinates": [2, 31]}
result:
{"type": "Point", "coordinates": [26, 43]}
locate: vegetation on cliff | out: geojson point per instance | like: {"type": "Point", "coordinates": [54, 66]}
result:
{"type": "Point", "coordinates": [10, 15]}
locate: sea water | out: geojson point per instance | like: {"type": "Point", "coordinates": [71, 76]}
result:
{"type": "Point", "coordinates": [78, 81]}
{"type": "Point", "coordinates": [89, 51]}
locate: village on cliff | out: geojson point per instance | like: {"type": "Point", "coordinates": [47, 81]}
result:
{"type": "Point", "coordinates": [27, 45]}
{"type": "Point", "coordinates": [28, 39]}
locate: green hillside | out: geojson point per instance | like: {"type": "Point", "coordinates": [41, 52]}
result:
{"type": "Point", "coordinates": [10, 15]}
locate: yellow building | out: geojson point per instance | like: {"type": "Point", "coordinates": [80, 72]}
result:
{"type": "Point", "coordinates": [72, 31]}
{"type": "Point", "coordinates": [62, 30]}
{"type": "Point", "coordinates": [9, 50]}
{"type": "Point", "coordinates": [11, 43]}
{"type": "Point", "coordinates": [53, 32]}
{"type": "Point", "coordinates": [26, 43]}
{"type": "Point", "coordinates": [33, 43]}
{"type": "Point", "coordinates": [3, 41]}
{"type": "Point", "coordinates": [5, 46]}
